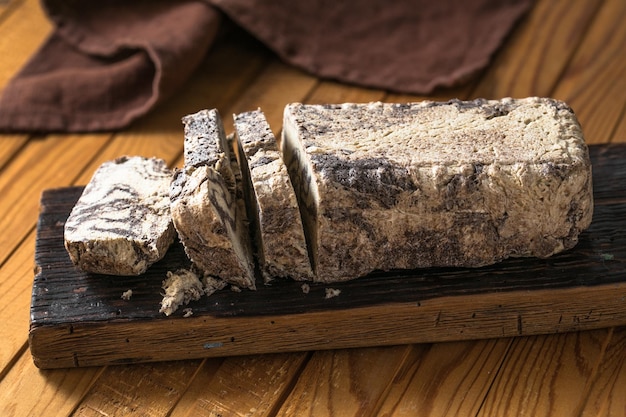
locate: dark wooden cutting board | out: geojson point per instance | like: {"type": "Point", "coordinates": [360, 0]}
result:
{"type": "Point", "coordinates": [80, 319]}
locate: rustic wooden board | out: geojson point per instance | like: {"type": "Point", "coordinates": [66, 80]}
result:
{"type": "Point", "coordinates": [80, 319]}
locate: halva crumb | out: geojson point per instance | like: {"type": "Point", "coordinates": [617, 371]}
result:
{"type": "Point", "coordinates": [180, 288]}
{"type": "Point", "coordinates": [332, 292]}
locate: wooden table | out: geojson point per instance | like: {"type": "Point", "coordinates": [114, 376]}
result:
{"type": "Point", "coordinates": [570, 50]}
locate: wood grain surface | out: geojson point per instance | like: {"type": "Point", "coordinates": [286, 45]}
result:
{"type": "Point", "coordinates": [570, 50]}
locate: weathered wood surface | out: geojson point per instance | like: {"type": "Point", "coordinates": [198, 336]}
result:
{"type": "Point", "coordinates": [80, 319]}
{"type": "Point", "coordinates": [570, 50]}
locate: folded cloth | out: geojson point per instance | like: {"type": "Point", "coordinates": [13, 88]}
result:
{"type": "Point", "coordinates": [109, 62]}
{"type": "Point", "coordinates": [407, 46]}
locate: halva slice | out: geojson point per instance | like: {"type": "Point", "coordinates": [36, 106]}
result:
{"type": "Point", "coordinates": [458, 183]}
{"type": "Point", "coordinates": [121, 224]}
{"type": "Point", "coordinates": [273, 208]}
{"type": "Point", "coordinates": [210, 222]}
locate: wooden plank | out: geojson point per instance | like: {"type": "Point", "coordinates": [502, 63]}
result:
{"type": "Point", "coordinates": [276, 86]}
{"type": "Point", "coordinates": [461, 92]}
{"type": "Point", "coordinates": [16, 288]}
{"type": "Point", "coordinates": [414, 357]}
{"type": "Point", "coordinates": [248, 385]}
{"type": "Point", "coordinates": [546, 375]}
{"type": "Point", "coordinates": [333, 92]}
{"type": "Point", "coordinates": [15, 295]}
{"type": "Point", "coordinates": [594, 83]}
{"type": "Point", "coordinates": [605, 396]}
{"type": "Point", "coordinates": [10, 145]}
{"type": "Point", "coordinates": [449, 379]}
{"type": "Point", "coordinates": [25, 26]}
{"type": "Point", "coordinates": [348, 382]}
{"type": "Point", "coordinates": [538, 50]}
{"type": "Point", "coordinates": [28, 391]}
{"type": "Point", "coordinates": [619, 135]}
{"type": "Point", "coordinates": [160, 145]}
{"type": "Point", "coordinates": [21, 23]}
{"type": "Point", "coordinates": [150, 390]}
{"type": "Point", "coordinates": [195, 393]}
{"type": "Point", "coordinates": [20, 185]}
{"type": "Point", "coordinates": [71, 310]}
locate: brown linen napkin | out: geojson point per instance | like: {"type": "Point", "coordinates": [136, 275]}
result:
{"type": "Point", "coordinates": [109, 62]}
{"type": "Point", "coordinates": [407, 46]}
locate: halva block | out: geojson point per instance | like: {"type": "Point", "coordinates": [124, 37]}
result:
{"type": "Point", "coordinates": [460, 183]}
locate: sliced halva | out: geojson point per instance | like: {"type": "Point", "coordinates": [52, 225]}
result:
{"type": "Point", "coordinates": [210, 221]}
{"type": "Point", "coordinates": [121, 223]}
{"type": "Point", "coordinates": [386, 186]}
{"type": "Point", "coordinates": [273, 208]}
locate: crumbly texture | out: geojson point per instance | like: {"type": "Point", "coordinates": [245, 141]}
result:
{"type": "Point", "coordinates": [386, 186]}
{"type": "Point", "coordinates": [181, 287]}
{"type": "Point", "coordinates": [212, 284]}
{"type": "Point", "coordinates": [273, 208]}
{"type": "Point", "coordinates": [205, 203]}
{"type": "Point", "coordinates": [331, 293]}
{"type": "Point", "coordinates": [121, 224]}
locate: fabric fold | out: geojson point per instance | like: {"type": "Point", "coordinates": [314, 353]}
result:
{"type": "Point", "coordinates": [402, 46]}
{"type": "Point", "coordinates": [108, 63]}
{"type": "Point", "coordinates": [104, 66]}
